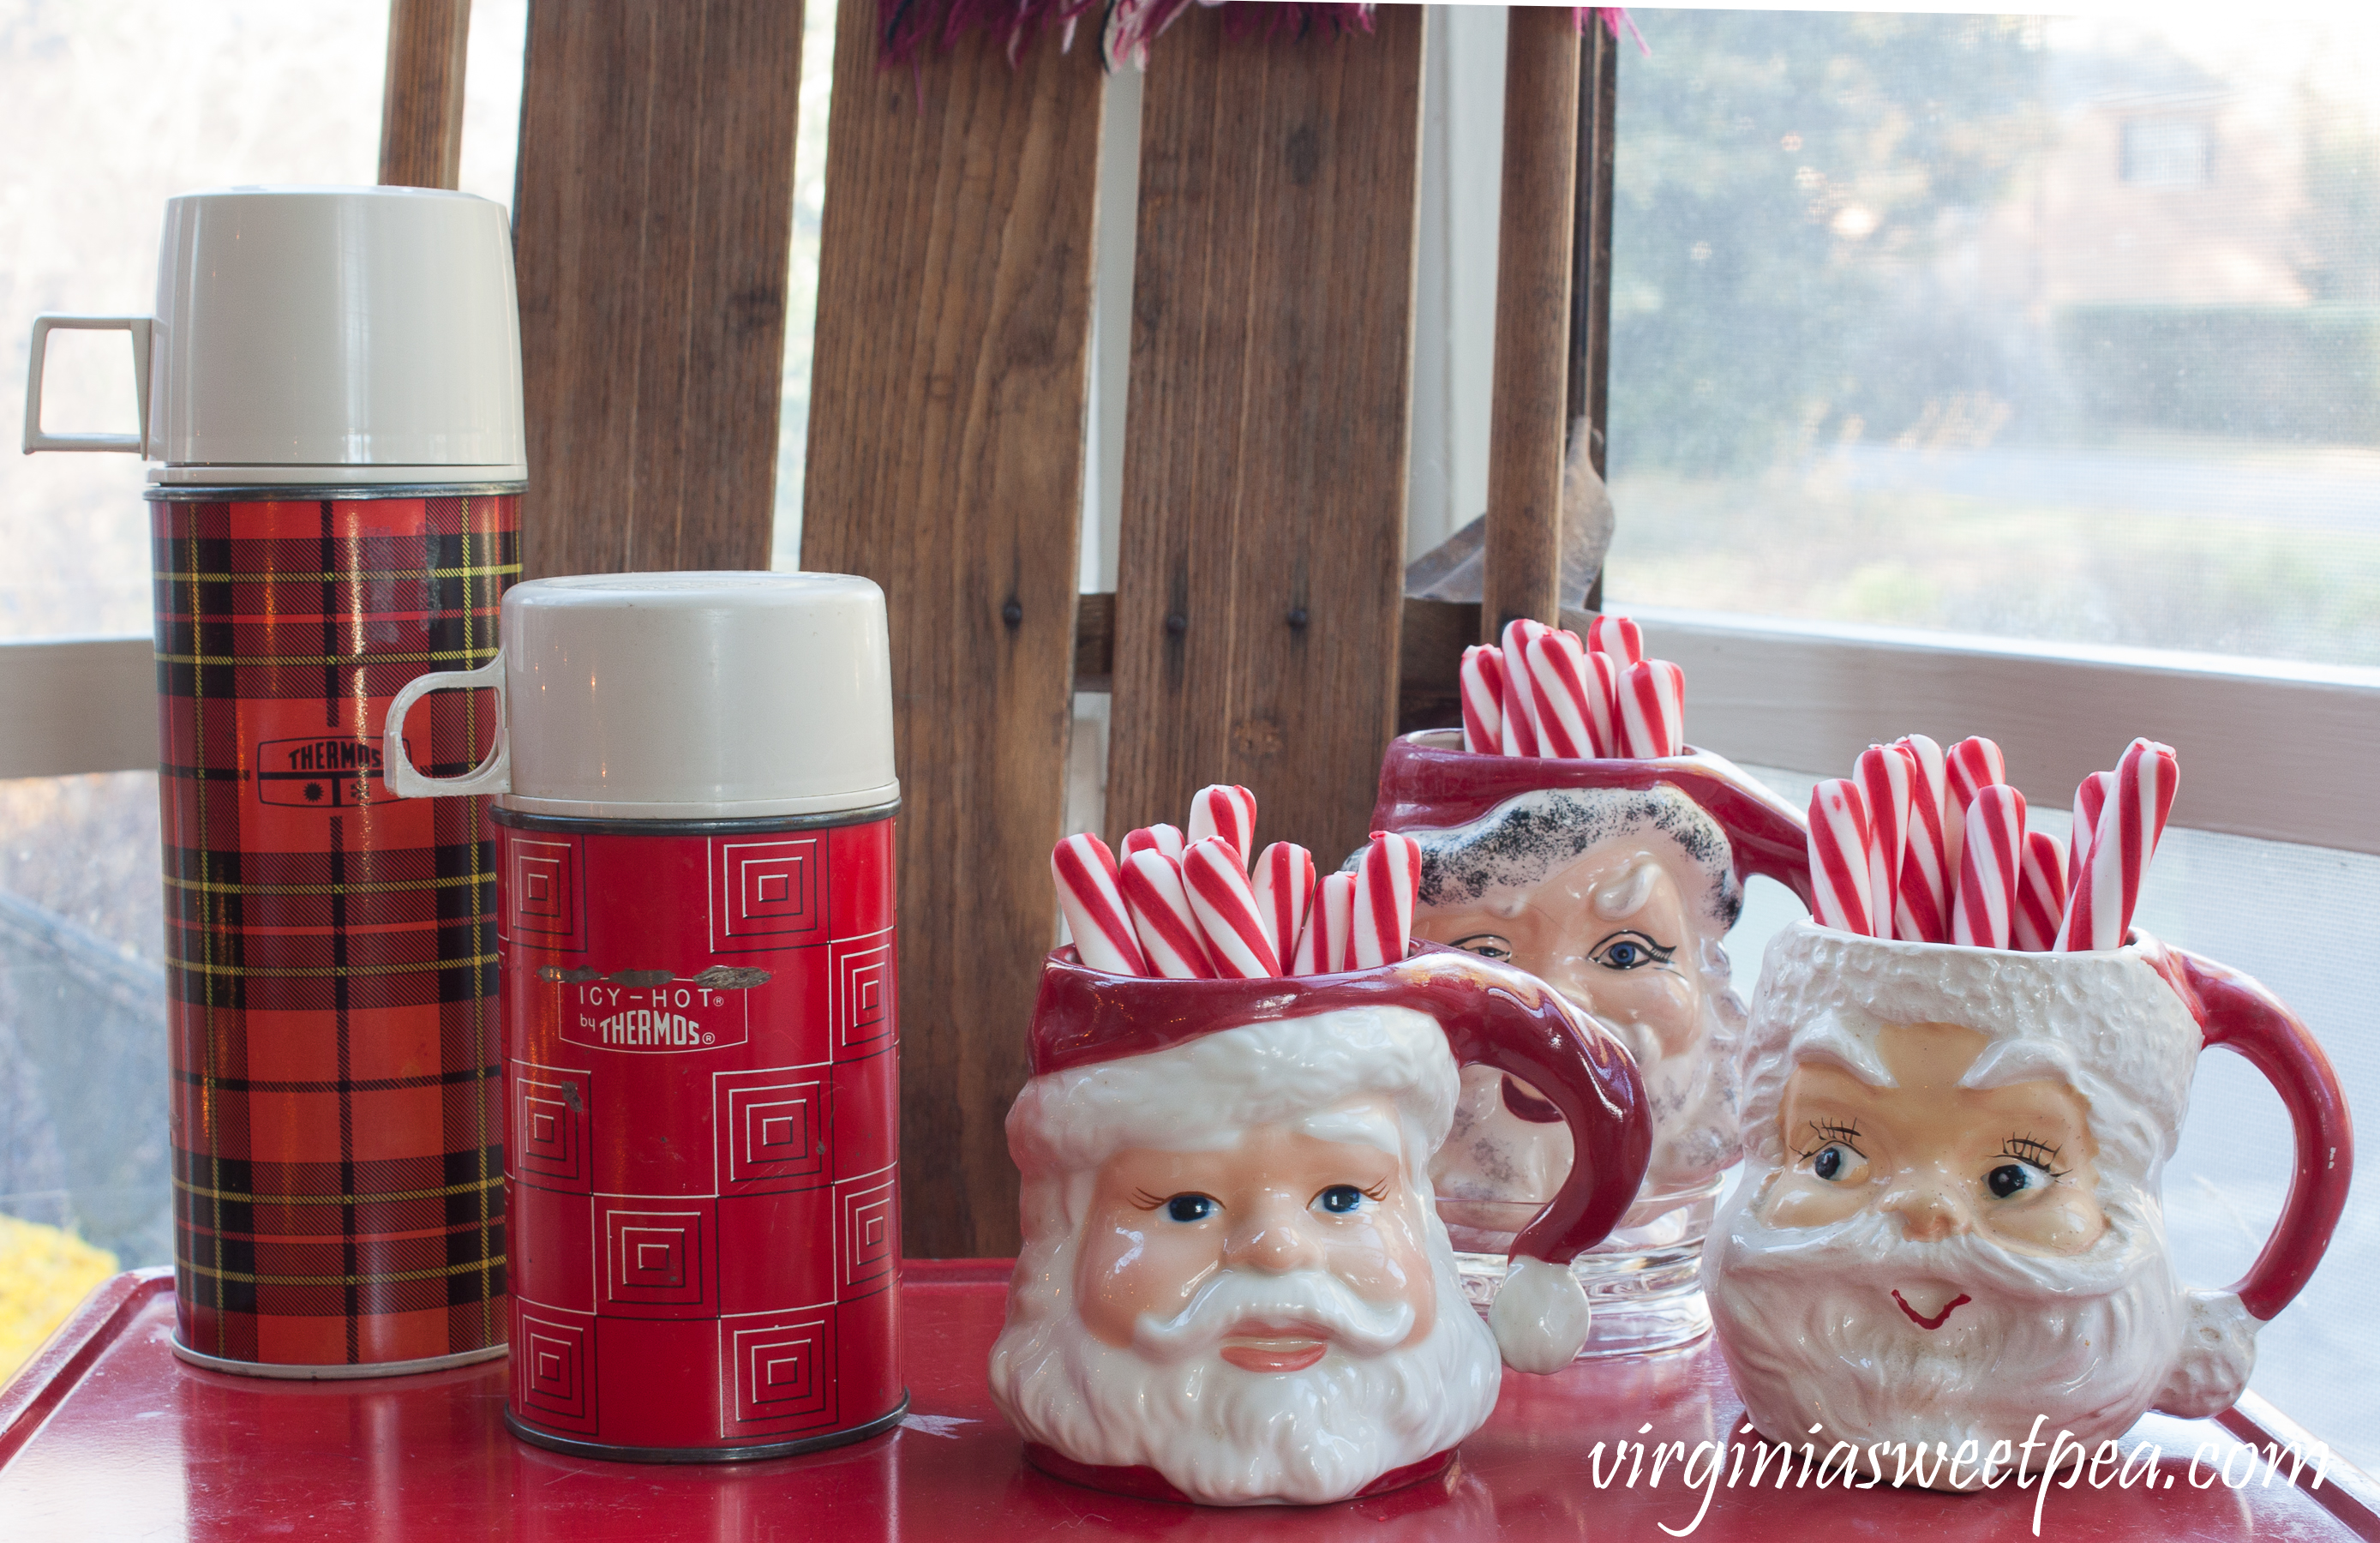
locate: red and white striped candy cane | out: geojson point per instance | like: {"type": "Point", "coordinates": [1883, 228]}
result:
{"type": "Point", "coordinates": [1520, 725]}
{"type": "Point", "coordinates": [2040, 893]}
{"type": "Point", "coordinates": [2099, 907]}
{"type": "Point", "coordinates": [1884, 778]}
{"type": "Point", "coordinates": [1284, 889]}
{"type": "Point", "coordinates": [1381, 926]}
{"type": "Point", "coordinates": [1558, 694]}
{"type": "Point", "coordinates": [1652, 716]}
{"type": "Point", "coordinates": [1838, 865]}
{"type": "Point", "coordinates": [1618, 636]}
{"type": "Point", "coordinates": [1322, 946]}
{"type": "Point", "coordinates": [1483, 699]}
{"type": "Point", "coordinates": [1238, 940]}
{"type": "Point", "coordinates": [2089, 798]}
{"type": "Point", "coordinates": [1922, 901]}
{"type": "Point", "coordinates": [1222, 810]}
{"type": "Point", "coordinates": [1991, 868]}
{"type": "Point", "coordinates": [1084, 871]}
{"type": "Point", "coordinates": [1154, 838]}
{"type": "Point", "coordinates": [1969, 765]}
{"type": "Point", "coordinates": [1169, 935]}
{"type": "Point", "coordinates": [1602, 677]}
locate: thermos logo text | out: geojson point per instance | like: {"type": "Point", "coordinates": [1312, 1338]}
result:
{"type": "Point", "coordinates": [669, 1017]}
{"type": "Point", "coordinates": [319, 774]}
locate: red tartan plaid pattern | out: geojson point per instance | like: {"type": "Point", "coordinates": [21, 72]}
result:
{"type": "Point", "coordinates": [337, 1128]}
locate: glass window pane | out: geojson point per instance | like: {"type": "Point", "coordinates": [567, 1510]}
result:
{"type": "Point", "coordinates": [2063, 329]}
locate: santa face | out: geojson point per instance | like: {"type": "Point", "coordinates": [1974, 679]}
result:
{"type": "Point", "coordinates": [1322, 1198]}
{"type": "Point", "coordinates": [1613, 930]}
{"type": "Point", "coordinates": [1938, 1262]}
{"type": "Point", "coordinates": [1262, 1319]}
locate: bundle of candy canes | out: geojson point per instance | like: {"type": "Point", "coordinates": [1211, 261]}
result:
{"type": "Point", "coordinates": [1547, 692]}
{"type": "Point", "coordinates": [1186, 904]}
{"type": "Point", "coordinates": [1931, 846]}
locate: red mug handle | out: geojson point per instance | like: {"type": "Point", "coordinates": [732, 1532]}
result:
{"type": "Point", "coordinates": [1497, 1016]}
{"type": "Point", "coordinates": [2241, 1015]}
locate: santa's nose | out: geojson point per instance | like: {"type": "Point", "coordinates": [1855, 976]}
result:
{"type": "Point", "coordinates": [1928, 1208]}
{"type": "Point", "coordinates": [1272, 1238]}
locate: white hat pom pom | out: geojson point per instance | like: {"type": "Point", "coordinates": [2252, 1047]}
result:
{"type": "Point", "coordinates": [2219, 1351]}
{"type": "Point", "coordinates": [1540, 1315]}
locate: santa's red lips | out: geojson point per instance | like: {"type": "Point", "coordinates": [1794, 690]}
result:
{"type": "Point", "coordinates": [1939, 1319]}
{"type": "Point", "coordinates": [1258, 1346]}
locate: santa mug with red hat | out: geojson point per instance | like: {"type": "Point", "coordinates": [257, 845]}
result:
{"type": "Point", "coordinates": [1614, 880]}
{"type": "Point", "coordinates": [1234, 1288]}
{"type": "Point", "coordinates": [1949, 1237]}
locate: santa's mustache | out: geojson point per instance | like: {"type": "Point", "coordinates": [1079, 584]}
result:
{"type": "Point", "coordinates": [1304, 1304]}
{"type": "Point", "coordinates": [1871, 1245]}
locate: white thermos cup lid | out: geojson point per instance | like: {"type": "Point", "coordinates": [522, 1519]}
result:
{"type": "Point", "coordinates": [697, 695]}
{"type": "Point", "coordinates": [335, 334]}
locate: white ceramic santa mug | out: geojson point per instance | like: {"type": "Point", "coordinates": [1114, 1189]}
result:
{"type": "Point", "coordinates": [1234, 1288]}
{"type": "Point", "coordinates": [1949, 1230]}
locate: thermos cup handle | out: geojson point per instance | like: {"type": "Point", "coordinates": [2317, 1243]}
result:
{"type": "Point", "coordinates": [2240, 1015]}
{"type": "Point", "coordinates": [139, 327]}
{"type": "Point", "coordinates": [492, 775]}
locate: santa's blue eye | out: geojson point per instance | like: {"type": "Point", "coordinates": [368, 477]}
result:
{"type": "Point", "coordinates": [1190, 1207]}
{"type": "Point", "coordinates": [1339, 1199]}
{"type": "Point", "coordinates": [2010, 1178]}
{"type": "Point", "coordinates": [1631, 950]}
{"type": "Point", "coordinates": [1829, 1163]}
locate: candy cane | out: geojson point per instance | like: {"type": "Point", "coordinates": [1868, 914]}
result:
{"type": "Point", "coordinates": [1520, 725]}
{"type": "Point", "coordinates": [2099, 907]}
{"type": "Point", "coordinates": [1382, 919]}
{"type": "Point", "coordinates": [1170, 934]}
{"type": "Point", "coordinates": [1838, 865]}
{"type": "Point", "coordinates": [1618, 636]}
{"type": "Point", "coordinates": [1991, 869]}
{"type": "Point", "coordinates": [1154, 838]}
{"type": "Point", "coordinates": [1222, 810]}
{"type": "Point", "coordinates": [1238, 940]}
{"type": "Point", "coordinates": [1969, 765]}
{"type": "Point", "coordinates": [1558, 694]}
{"type": "Point", "coordinates": [2089, 798]}
{"type": "Point", "coordinates": [1884, 778]}
{"type": "Point", "coordinates": [1922, 899]}
{"type": "Point", "coordinates": [1322, 946]}
{"type": "Point", "coordinates": [1284, 889]}
{"type": "Point", "coordinates": [1652, 709]}
{"type": "Point", "coordinates": [1483, 699]}
{"type": "Point", "coordinates": [1084, 871]}
{"type": "Point", "coordinates": [2040, 893]}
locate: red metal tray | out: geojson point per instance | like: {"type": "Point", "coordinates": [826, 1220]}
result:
{"type": "Point", "coordinates": [105, 1435]}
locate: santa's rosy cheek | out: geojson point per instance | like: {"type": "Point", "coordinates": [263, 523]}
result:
{"type": "Point", "coordinates": [1127, 1270]}
{"type": "Point", "coordinates": [2066, 1222]}
{"type": "Point", "coordinates": [1799, 1200]}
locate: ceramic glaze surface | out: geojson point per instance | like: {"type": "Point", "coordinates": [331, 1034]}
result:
{"type": "Point", "coordinates": [1949, 1228]}
{"type": "Point", "coordinates": [1235, 1287]}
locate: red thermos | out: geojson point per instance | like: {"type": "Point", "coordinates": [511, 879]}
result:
{"type": "Point", "coordinates": [694, 847]}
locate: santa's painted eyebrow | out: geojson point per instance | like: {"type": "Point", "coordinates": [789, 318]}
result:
{"type": "Point", "coordinates": [1366, 1127]}
{"type": "Point", "coordinates": [1830, 1040]}
{"type": "Point", "coordinates": [2010, 1062]}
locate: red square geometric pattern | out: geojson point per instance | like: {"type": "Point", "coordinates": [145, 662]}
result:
{"type": "Point", "coordinates": [553, 1367]}
{"type": "Point", "coordinates": [542, 894]}
{"type": "Point", "coordinates": [864, 985]}
{"type": "Point", "coordinates": [784, 1370]}
{"type": "Point", "coordinates": [766, 894]}
{"type": "Point", "coordinates": [549, 1134]}
{"type": "Point", "coordinates": [774, 1129]}
{"type": "Point", "coordinates": [867, 1232]}
{"type": "Point", "coordinates": [655, 1258]}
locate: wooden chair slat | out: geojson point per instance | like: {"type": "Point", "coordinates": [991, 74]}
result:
{"type": "Point", "coordinates": [947, 413]}
{"type": "Point", "coordinates": [1533, 319]}
{"type": "Point", "coordinates": [421, 100]}
{"type": "Point", "coordinates": [653, 224]}
{"type": "Point", "coordinates": [1261, 551]}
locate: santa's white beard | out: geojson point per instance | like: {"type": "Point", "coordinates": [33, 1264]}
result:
{"type": "Point", "coordinates": [1229, 1437]}
{"type": "Point", "coordinates": [1813, 1335]}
